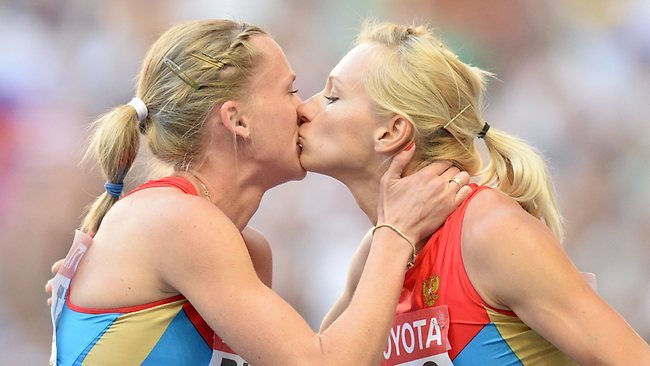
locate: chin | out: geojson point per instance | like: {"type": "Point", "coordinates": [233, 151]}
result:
{"type": "Point", "coordinates": [298, 174]}
{"type": "Point", "coordinates": [308, 165]}
{"type": "Point", "coordinates": [302, 175]}
{"type": "Point", "coordinates": [313, 167]}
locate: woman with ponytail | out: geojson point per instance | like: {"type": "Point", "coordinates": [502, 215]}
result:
{"type": "Point", "coordinates": [493, 285]}
{"type": "Point", "coordinates": [154, 275]}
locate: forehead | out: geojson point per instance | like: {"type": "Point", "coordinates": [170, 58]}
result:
{"type": "Point", "coordinates": [354, 66]}
{"type": "Point", "coordinates": [273, 67]}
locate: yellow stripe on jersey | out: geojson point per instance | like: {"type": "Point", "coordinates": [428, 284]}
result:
{"type": "Point", "coordinates": [134, 334]}
{"type": "Point", "coordinates": [531, 348]}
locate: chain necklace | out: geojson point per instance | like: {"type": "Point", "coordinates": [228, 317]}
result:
{"type": "Point", "coordinates": [206, 193]}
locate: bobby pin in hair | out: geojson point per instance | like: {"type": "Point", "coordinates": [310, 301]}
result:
{"type": "Point", "coordinates": [456, 116]}
{"type": "Point", "coordinates": [209, 59]}
{"type": "Point", "coordinates": [171, 65]}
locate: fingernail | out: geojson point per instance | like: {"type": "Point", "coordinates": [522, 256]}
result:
{"type": "Point", "coordinates": [410, 146]}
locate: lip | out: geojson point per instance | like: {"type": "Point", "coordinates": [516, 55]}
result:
{"type": "Point", "coordinates": [299, 143]}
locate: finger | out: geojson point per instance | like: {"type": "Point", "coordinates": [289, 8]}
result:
{"type": "Point", "coordinates": [48, 287]}
{"type": "Point", "coordinates": [450, 173]}
{"type": "Point", "coordinates": [462, 194]}
{"type": "Point", "coordinates": [56, 266]}
{"type": "Point", "coordinates": [459, 180]}
{"type": "Point", "coordinates": [49, 302]}
{"type": "Point", "coordinates": [399, 162]}
{"type": "Point", "coordinates": [463, 177]}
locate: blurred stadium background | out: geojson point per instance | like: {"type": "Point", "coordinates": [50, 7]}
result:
{"type": "Point", "coordinates": [573, 80]}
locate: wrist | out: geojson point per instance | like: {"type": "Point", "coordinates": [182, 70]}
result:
{"type": "Point", "coordinates": [403, 237]}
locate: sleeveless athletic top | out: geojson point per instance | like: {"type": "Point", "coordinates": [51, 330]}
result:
{"type": "Point", "coordinates": [442, 320]}
{"type": "Point", "coordinates": [164, 332]}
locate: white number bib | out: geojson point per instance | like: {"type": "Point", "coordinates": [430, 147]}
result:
{"type": "Point", "coordinates": [61, 282]}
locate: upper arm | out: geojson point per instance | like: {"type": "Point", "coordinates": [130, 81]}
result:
{"type": "Point", "coordinates": [207, 261]}
{"type": "Point", "coordinates": [260, 253]}
{"type": "Point", "coordinates": [357, 264]}
{"type": "Point", "coordinates": [204, 257]}
{"type": "Point", "coordinates": [514, 261]}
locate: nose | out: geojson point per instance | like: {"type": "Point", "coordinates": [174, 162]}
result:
{"type": "Point", "coordinates": [308, 109]}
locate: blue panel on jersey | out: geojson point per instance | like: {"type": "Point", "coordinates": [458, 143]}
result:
{"type": "Point", "coordinates": [180, 344]}
{"type": "Point", "coordinates": [77, 333]}
{"type": "Point", "coordinates": [487, 348]}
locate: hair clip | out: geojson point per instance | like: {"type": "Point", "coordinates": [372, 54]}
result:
{"type": "Point", "coordinates": [171, 65]}
{"type": "Point", "coordinates": [209, 59]}
{"type": "Point", "coordinates": [456, 116]}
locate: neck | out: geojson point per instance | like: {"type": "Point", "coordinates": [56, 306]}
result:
{"type": "Point", "coordinates": [230, 187]}
{"type": "Point", "coordinates": [364, 186]}
{"type": "Point", "coordinates": [365, 190]}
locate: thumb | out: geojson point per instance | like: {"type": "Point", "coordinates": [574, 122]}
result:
{"type": "Point", "coordinates": [399, 162]}
{"type": "Point", "coordinates": [57, 265]}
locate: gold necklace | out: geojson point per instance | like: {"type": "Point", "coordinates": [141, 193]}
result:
{"type": "Point", "coordinates": [206, 193]}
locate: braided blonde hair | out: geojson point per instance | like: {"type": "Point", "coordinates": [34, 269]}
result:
{"type": "Point", "coordinates": [186, 72]}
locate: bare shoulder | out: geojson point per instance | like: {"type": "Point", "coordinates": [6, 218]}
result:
{"type": "Point", "coordinates": [199, 247]}
{"type": "Point", "coordinates": [500, 242]}
{"type": "Point", "coordinates": [195, 221]}
{"type": "Point", "coordinates": [175, 227]}
{"type": "Point", "coordinates": [143, 238]}
{"type": "Point", "coordinates": [493, 217]}
{"type": "Point", "coordinates": [164, 214]}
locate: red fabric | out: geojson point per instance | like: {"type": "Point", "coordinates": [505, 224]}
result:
{"type": "Point", "coordinates": [201, 326]}
{"type": "Point", "coordinates": [122, 310]}
{"type": "Point", "coordinates": [179, 182]}
{"type": "Point", "coordinates": [439, 272]}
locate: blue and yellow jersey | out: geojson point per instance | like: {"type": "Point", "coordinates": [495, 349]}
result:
{"type": "Point", "coordinates": [165, 332]}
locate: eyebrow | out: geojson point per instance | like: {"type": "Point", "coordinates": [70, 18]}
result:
{"type": "Point", "coordinates": [288, 82]}
{"type": "Point", "coordinates": [333, 79]}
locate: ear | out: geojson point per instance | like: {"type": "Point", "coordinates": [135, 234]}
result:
{"type": "Point", "coordinates": [233, 118]}
{"type": "Point", "coordinates": [394, 135]}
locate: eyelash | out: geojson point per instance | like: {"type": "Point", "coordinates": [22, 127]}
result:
{"type": "Point", "coordinates": [330, 100]}
{"type": "Point", "coordinates": [294, 91]}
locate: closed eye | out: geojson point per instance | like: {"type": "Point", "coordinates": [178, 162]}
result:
{"type": "Point", "coordinates": [330, 100]}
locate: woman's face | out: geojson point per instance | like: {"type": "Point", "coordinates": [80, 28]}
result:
{"type": "Point", "coordinates": [272, 111]}
{"type": "Point", "coordinates": [338, 128]}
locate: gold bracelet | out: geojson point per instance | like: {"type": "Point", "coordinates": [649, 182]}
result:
{"type": "Point", "coordinates": [410, 263]}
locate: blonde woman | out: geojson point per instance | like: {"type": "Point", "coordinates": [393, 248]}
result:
{"type": "Point", "coordinates": [493, 286]}
{"type": "Point", "coordinates": [152, 275]}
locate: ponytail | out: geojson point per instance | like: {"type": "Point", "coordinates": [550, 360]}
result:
{"type": "Point", "coordinates": [416, 76]}
{"type": "Point", "coordinates": [518, 170]}
{"type": "Point", "coordinates": [188, 70]}
{"type": "Point", "coordinates": [114, 143]}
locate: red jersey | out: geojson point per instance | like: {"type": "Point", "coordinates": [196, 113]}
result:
{"type": "Point", "coordinates": [441, 318]}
